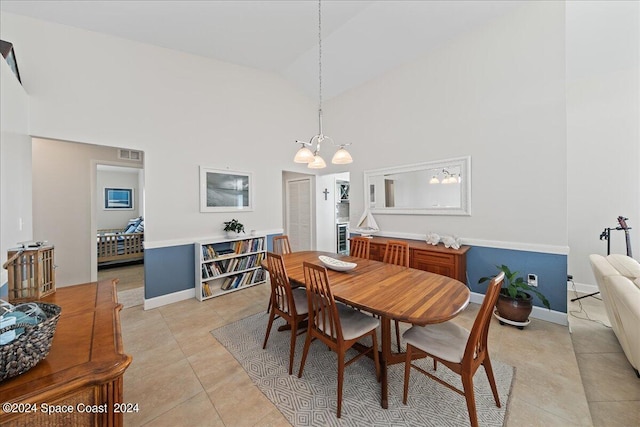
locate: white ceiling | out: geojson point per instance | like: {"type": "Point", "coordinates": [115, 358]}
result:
{"type": "Point", "coordinates": [360, 39]}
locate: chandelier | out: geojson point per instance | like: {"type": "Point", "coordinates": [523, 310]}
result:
{"type": "Point", "coordinates": [309, 152]}
{"type": "Point", "coordinates": [448, 178]}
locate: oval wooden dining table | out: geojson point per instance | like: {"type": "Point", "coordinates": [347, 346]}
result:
{"type": "Point", "coordinates": [391, 292]}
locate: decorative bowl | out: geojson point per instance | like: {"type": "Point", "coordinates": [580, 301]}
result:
{"type": "Point", "coordinates": [336, 264]}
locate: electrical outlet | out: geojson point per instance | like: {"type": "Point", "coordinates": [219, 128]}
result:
{"type": "Point", "coordinates": [532, 280]}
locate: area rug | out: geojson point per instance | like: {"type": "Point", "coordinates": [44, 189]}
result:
{"type": "Point", "coordinates": [131, 297]}
{"type": "Point", "coordinates": [311, 400]}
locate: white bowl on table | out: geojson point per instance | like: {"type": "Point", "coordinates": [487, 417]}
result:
{"type": "Point", "coordinates": [336, 264]}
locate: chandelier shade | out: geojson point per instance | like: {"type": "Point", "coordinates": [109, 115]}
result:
{"type": "Point", "coordinates": [304, 155]}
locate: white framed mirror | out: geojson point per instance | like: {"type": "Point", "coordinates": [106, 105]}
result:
{"type": "Point", "coordinates": [441, 187]}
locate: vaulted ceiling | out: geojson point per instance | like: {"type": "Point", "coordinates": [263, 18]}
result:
{"type": "Point", "coordinates": [360, 39]}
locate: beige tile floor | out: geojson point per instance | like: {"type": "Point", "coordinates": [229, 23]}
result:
{"type": "Point", "coordinates": [181, 375]}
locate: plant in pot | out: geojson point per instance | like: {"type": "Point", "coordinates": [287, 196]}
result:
{"type": "Point", "coordinates": [515, 301]}
{"type": "Point", "coordinates": [233, 228]}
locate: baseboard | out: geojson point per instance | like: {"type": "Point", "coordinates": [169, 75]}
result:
{"type": "Point", "coordinates": [169, 298]}
{"type": "Point", "coordinates": [537, 312]}
{"type": "Point", "coordinates": [583, 288]}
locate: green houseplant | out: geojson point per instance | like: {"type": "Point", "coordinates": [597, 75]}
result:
{"type": "Point", "coordinates": [233, 227]}
{"type": "Point", "coordinates": [515, 301]}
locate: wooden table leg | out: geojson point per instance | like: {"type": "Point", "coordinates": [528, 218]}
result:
{"type": "Point", "coordinates": [385, 332]}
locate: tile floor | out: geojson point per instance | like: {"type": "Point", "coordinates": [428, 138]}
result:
{"type": "Point", "coordinates": [181, 375]}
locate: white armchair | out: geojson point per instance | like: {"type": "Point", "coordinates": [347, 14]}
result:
{"type": "Point", "coordinates": [618, 278]}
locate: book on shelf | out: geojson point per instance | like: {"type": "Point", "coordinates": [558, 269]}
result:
{"type": "Point", "coordinates": [208, 252]}
{"type": "Point", "coordinates": [206, 290]}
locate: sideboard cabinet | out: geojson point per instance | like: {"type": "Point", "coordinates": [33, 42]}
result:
{"type": "Point", "coordinates": [80, 382]}
{"type": "Point", "coordinates": [423, 256]}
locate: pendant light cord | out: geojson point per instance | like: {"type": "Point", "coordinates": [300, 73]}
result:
{"type": "Point", "coordinates": [320, 50]}
{"type": "Point", "coordinates": [320, 65]}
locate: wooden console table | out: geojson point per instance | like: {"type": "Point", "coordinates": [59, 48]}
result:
{"type": "Point", "coordinates": [81, 378]}
{"type": "Point", "coordinates": [423, 256]}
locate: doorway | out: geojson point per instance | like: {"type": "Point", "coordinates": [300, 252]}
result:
{"type": "Point", "coordinates": [299, 213]}
{"type": "Point", "coordinates": [119, 221]}
{"type": "Point", "coordinates": [65, 202]}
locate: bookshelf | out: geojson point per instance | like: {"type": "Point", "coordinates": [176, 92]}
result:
{"type": "Point", "coordinates": [228, 265]}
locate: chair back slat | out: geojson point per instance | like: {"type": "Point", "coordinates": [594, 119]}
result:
{"type": "Point", "coordinates": [359, 247]}
{"type": "Point", "coordinates": [280, 286]}
{"type": "Point", "coordinates": [396, 252]}
{"type": "Point", "coordinates": [323, 311]}
{"type": "Point", "coordinates": [281, 245]}
{"type": "Point", "coordinates": [477, 343]}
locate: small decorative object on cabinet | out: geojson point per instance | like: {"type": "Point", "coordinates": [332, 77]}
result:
{"type": "Point", "coordinates": [227, 265]}
{"type": "Point", "coordinates": [30, 271]}
{"type": "Point", "coordinates": [233, 228]}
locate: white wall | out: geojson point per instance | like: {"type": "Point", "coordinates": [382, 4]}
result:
{"type": "Point", "coordinates": [497, 94]}
{"type": "Point", "coordinates": [603, 128]}
{"type": "Point", "coordinates": [117, 178]}
{"type": "Point", "coordinates": [15, 165]}
{"type": "Point", "coordinates": [183, 111]}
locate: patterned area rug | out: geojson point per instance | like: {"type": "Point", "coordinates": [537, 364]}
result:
{"type": "Point", "coordinates": [311, 400]}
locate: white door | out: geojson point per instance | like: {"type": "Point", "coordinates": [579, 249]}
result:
{"type": "Point", "coordinates": [299, 214]}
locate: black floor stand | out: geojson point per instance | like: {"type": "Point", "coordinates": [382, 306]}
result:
{"type": "Point", "coordinates": [606, 233]}
{"type": "Point", "coordinates": [584, 296]}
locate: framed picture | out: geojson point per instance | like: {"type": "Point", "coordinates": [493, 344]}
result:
{"type": "Point", "coordinates": [118, 198]}
{"type": "Point", "coordinates": [6, 49]}
{"type": "Point", "coordinates": [225, 191]}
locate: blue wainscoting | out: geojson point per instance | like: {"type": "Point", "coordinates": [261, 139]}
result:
{"type": "Point", "coordinates": [4, 291]}
{"type": "Point", "coordinates": [171, 269]}
{"type": "Point", "coordinates": [550, 268]}
{"type": "Point", "coordinates": [168, 270]}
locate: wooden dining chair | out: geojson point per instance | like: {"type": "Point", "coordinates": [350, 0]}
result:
{"type": "Point", "coordinates": [458, 349]}
{"type": "Point", "coordinates": [287, 303]}
{"type": "Point", "coordinates": [281, 245]}
{"type": "Point", "coordinates": [397, 253]}
{"type": "Point", "coordinates": [335, 324]}
{"type": "Point", "coordinates": [359, 247]}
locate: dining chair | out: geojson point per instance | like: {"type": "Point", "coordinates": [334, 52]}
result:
{"type": "Point", "coordinates": [359, 247]}
{"type": "Point", "coordinates": [335, 324]}
{"type": "Point", "coordinates": [286, 302]}
{"type": "Point", "coordinates": [397, 252]}
{"type": "Point", "coordinates": [281, 245]}
{"type": "Point", "coordinates": [458, 349]}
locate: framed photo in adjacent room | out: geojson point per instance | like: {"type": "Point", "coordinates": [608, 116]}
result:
{"type": "Point", "coordinates": [118, 198]}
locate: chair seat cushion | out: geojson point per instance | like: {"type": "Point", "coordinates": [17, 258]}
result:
{"type": "Point", "coordinates": [354, 323]}
{"type": "Point", "coordinates": [444, 340]}
{"type": "Point", "coordinates": [300, 300]}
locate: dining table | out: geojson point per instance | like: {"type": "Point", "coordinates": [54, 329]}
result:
{"type": "Point", "coordinates": [390, 292]}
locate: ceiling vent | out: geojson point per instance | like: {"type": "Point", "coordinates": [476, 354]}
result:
{"type": "Point", "coordinates": [132, 155]}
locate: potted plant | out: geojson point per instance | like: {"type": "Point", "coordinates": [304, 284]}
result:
{"type": "Point", "coordinates": [233, 228]}
{"type": "Point", "coordinates": [515, 301]}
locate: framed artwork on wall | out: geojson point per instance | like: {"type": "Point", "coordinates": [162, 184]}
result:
{"type": "Point", "coordinates": [225, 190]}
{"type": "Point", "coordinates": [118, 198]}
{"type": "Point", "coordinates": [6, 49]}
